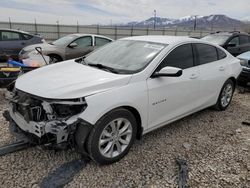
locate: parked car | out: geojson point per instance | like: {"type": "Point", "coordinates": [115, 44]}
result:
{"type": "Point", "coordinates": [118, 93]}
{"type": "Point", "coordinates": [244, 78]}
{"type": "Point", "coordinates": [235, 42]}
{"type": "Point", "coordinates": [68, 47]}
{"type": "Point", "coordinates": [12, 41]}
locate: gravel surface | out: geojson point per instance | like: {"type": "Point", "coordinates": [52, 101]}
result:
{"type": "Point", "coordinates": [215, 144]}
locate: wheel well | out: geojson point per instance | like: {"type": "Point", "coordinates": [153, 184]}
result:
{"type": "Point", "coordinates": [56, 55]}
{"type": "Point", "coordinates": [234, 81]}
{"type": "Point", "coordinates": [138, 120]}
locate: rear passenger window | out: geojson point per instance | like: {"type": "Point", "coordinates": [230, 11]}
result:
{"type": "Point", "coordinates": [180, 57]}
{"type": "Point", "coordinates": [206, 53]}
{"type": "Point", "coordinates": [244, 39]}
{"type": "Point", "coordinates": [101, 41]}
{"type": "Point", "coordinates": [221, 54]}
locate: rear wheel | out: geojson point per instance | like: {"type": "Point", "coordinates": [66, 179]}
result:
{"type": "Point", "coordinates": [226, 95]}
{"type": "Point", "coordinates": [112, 136]}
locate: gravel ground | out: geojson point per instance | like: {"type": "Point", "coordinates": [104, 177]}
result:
{"type": "Point", "coordinates": [215, 144]}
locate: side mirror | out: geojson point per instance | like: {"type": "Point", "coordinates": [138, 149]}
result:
{"type": "Point", "coordinates": [168, 72]}
{"type": "Point", "coordinates": [73, 45]}
{"type": "Point", "coordinates": [230, 45]}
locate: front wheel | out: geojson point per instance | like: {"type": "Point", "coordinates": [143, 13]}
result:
{"type": "Point", "coordinates": [112, 136]}
{"type": "Point", "coordinates": [226, 95]}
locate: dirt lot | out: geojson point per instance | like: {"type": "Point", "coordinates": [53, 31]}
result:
{"type": "Point", "coordinates": [215, 144]}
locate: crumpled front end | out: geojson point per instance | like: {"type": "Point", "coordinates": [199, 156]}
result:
{"type": "Point", "coordinates": [51, 121]}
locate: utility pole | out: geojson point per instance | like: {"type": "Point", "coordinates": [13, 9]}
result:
{"type": "Point", "coordinates": [195, 22]}
{"type": "Point", "coordinates": [154, 18]}
{"type": "Point", "coordinates": [10, 23]}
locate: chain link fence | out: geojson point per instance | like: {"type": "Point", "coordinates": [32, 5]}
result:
{"type": "Point", "coordinates": [54, 31]}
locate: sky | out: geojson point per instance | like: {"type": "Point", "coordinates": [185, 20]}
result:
{"type": "Point", "coordinates": [115, 11]}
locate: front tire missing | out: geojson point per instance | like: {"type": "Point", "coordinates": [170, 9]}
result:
{"type": "Point", "coordinates": [112, 136]}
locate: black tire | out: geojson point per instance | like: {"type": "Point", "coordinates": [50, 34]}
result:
{"type": "Point", "coordinates": [54, 58]}
{"type": "Point", "coordinates": [93, 139]}
{"type": "Point", "coordinates": [219, 106]}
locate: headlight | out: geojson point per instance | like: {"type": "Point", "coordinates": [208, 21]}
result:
{"type": "Point", "coordinates": [64, 109]}
{"type": "Point", "coordinates": [243, 62]}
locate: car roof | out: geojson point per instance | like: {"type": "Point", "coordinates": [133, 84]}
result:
{"type": "Point", "coordinates": [162, 39]}
{"type": "Point", "coordinates": [15, 30]}
{"type": "Point", "coordinates": [229, 33]}
{"type": "Point", "coordinates": [81, 35]}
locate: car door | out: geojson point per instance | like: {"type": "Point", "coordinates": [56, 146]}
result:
{"type": "Point", "coordinates": [172, 97]}
{"type": "Point", "coordinates": [212, 68]}
{"type": "Point", "coordinates": [11, 43]}
{"type": "Point", "coordinates": [84, 46]}
{"type": "Point", "coordinates": [244, 44]}
{"type": "Point", "coordinates": [233, 46]}
{"type": "Point", "coordinates": [100, 41]}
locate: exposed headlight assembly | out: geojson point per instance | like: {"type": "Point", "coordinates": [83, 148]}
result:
{"type": "Point", "coordinates": [68, 108]}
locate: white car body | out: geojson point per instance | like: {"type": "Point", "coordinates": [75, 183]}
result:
{"type": "Point", "coordinates": [158, 101]}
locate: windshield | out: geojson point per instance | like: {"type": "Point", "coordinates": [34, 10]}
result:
{"type": "Point", "coordinates": [125, 56]}
{"type": "Point", "coordinates": [216, 39]}
{"type": "Point", "coordinates": [64, 40]}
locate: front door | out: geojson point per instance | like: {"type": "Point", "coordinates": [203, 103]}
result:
{"type": "Point", "coordinates": [172, 97]}
{"type": "Point", "coordinates": [84, 46]}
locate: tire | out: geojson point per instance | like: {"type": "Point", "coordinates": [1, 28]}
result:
{"type": "Point", "coordinates": [225, 96]}
{"type": "Point", "coordinates": [106, 152]}
{"type": "Point", "coordinates": [54, 59]}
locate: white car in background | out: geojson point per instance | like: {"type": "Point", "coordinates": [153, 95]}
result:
{"type": "Point", "coordinates": [103, 102]}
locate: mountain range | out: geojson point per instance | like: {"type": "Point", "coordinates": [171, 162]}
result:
{"type": "Point", "coordinates": [202, 22]}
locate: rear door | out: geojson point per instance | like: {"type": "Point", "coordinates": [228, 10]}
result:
{"type": "Point", "coordinates": [84, 46]}
{"type": "Point", "coordinates": [171, 97]}
{"type": "Point", "coordinates": [212, 67]}
{"type": "Point", "coordinates": [11, 43]}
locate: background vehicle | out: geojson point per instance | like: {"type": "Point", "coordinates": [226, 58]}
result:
{"type": "Point", "coordinates": [68, 47]}
{"type": "Point", "coordinates": [106, 100]}
{"type": "Point", "coordinates": [235, 42]}
{"type": "Point", "coordinates": [244, 77]}
{"type": "Point", "coordinates": [12, 41]}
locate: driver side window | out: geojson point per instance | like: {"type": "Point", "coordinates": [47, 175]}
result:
{"type": "Point", "coordinates": [180, 57]}
{"type": "Point", "coordinates": [83, 42]}
{"type": "Point", "coordinates": [235, 41]}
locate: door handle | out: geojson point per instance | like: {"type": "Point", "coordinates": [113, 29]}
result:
{"type": "Point", "coordinates": [23, 43]}
{"type": "Point", "coordinates": [193, 76]}
{"type": "Point", "coordinates": [221, 68]}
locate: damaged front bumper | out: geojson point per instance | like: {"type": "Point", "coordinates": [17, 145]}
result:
{"type": "Point", "coordinates": [46, 120]}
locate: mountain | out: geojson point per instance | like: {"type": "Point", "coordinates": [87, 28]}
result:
{"type": "Point", "coordinates": [202, 22]}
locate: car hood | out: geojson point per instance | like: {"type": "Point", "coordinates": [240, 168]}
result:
{"type": "Point", "coordinates": [68, 80]}
{"type": "Point", "coordinates": [245, 56]}
{"type": "Point", "coordinates": [44, 46]}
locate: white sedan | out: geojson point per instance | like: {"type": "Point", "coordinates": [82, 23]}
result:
{"type": "Point", "coordinates": [103, 102]}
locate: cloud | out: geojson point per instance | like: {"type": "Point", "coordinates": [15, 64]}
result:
{"type": "Point", "coordinates": [103, 11]}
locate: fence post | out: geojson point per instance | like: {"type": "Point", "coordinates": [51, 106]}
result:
{"type": "Point", "coordinates": [77, 27]}
{"type": "Point", "coordinates": [175, 32]}
{"type": "Point", "coordinates": [35, 27]}
{"type": "Point", "coordinates": [132, 29]}
{"type": "Point", "coordinates": [147, 31]}
{"type": "Point", "coordinates": [58, 29]}
{"type": "Point", "coordinates": [163, 31]}
{"type": "Point", "coordinates": [115, 32]}
{"type": "Point", "coordinates": [200, 33]}
{"type": "Point", "coordinates": [98, 29]}
{"type": "Point", "coordinates": [10, 23]}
